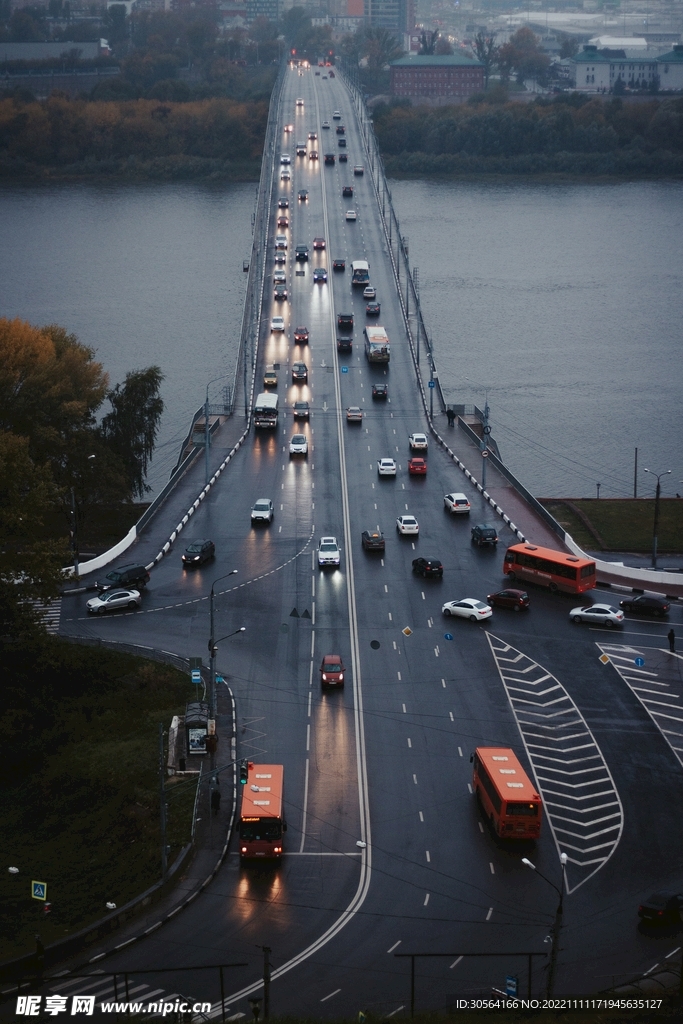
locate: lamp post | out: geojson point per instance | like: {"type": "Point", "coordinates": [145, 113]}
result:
{"type": "Point", "coordinates": [206, 426]}
{"type": "Point", "coordinates": [212, 644]}
{"type": "Point", "coordinates": [486, 431]}
{"type": "Point", "coordinates": [557, 923]}
{"type": "Point", "coordinates": [656, 523]}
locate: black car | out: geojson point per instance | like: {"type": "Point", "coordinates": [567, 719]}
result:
{"type": "Point", "coordinates": [299, 373]}
{"type": "Point", "coordinates": [339, 264]}
{"type": "Point", "coordinates": [329, 158]}
{"type": "Point", "coordinates": [345, 321]}
{"type": "Point", "coordinates": [345, 344]}
{"type": "Point", "coordinates": [645, 604]}
{"type": "Point", "coordinates": [283, 203]}
{"type": "Point", "coordinates": [341, 141]}
{"type": "Point", "coordinates": [301, 410]}
{"type": "Point", "coordinates": [373, 540]}
{"type": "Point", "coordinates": [428, 567]}
{"type": "Point", "coordinates": [347, 190]}
{"type": "Point", "coordinates": [198, 552]}
{"type": "Point", "coordinates": [380, 390]}
{"type": "Point", "coordinates": [301, 252]}
{"type": "Point", "coordinates": [341, 130]}
{"type": "Point", "coordinates": [280, 294]}
{"type": "Point", "coordinates": [483, 534]}
{"type": "Point", "coordinates": [343, 158]}
{"type": "Point", "coordinates": [509, 598]}
{"type": "Point", "coordinates": [662, 908]}
{"type": "Point", "coordinates": [373, 309]}
{"type": "Point", "coordinates": [303, 193]}
{"type": "Point", "coordinates": [132, 576]}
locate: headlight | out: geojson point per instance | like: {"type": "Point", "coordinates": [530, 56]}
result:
{"type": "Point", "coordinates": [244, 849]}
{"type": "Point", "coordinates": [324, 678]}
{"type": "Point", "coordinates": [341, 677]}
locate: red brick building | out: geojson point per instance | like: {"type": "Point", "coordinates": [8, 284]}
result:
{"type": "Point", "coordinates": [437, 81]}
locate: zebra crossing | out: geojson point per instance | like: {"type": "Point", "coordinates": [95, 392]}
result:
{"type": "Point", "coordinates": [49, 613]}
{"type": "Point", "coordinates": [655, 678]}
{"type": "Point", "coordinates": [581, 802]}
{"type": "Point", "coordinates": [107, 989]}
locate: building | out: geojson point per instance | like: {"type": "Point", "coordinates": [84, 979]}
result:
{"type": "Point", "coordinates": [671, 69]}
{"type": "Point", "coordinates": [396, 15]}
{"type": "Point", "coordinates": [599, 70]}
{"type": "Point", "coordinates": [270, 9]}
{"type": "Point", "coordinates": [437, 81]}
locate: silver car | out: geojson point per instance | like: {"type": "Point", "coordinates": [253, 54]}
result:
{"type": "Point", "coordinates": [262, 511]}
{"type": "Point", "coordinates": [298, 445]}
{"type": "Point", "coordinates": [113, 600]}
{"type": "Point", "coordinates": [600, 614]}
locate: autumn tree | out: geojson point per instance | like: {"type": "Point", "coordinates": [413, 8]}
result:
{"type": "Point", "coordinates": [522, 55]}
{"type": "Point", "coordinates": [130, 429]}
{"type": "Point", "coordinates": [485, 50]}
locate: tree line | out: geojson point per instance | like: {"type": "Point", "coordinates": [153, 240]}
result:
{"type": "Point", "coordinates": [68, 442]}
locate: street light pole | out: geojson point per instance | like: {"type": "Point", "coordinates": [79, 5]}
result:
{"type": "Point", "coordinates": [212, 645]}
{"type": "Point", "coordinates": [656, 523]}
{"type": "Point", "coordinates": [557, 923]}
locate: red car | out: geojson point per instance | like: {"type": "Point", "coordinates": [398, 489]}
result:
{"type": "Point", "coordinates": [301, 334]}
{"type": "Point", "coordinates": [332, 670]}
{"type": "Point", "coordinates": [318, 243]}
{"type": "Point", "coordinates": [283, 222]}
{"type": "Point", "coordinates": [417, 467]}
{"type": "Point", "coordinates": [509, 598]}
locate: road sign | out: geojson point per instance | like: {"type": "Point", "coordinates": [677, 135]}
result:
{"type": "Point", "coordinates": [196, 675]}
{"type": "Point", "coordinates": [219, 679]}
{"type": "Point", "coordinates": [639, 662]}
{"type": "Point", "coordinates": [345, 369]}
{"type": "Point", "coordinates": [484, 455]}
{"type": "Point", "coordinates": [448, 636]}
{"type": "Point", "coordinates": [407, 631]}
{"type": "Point", "coordinates": [487, 429]}
{"type": "Point", "coordinates": [39, 890]}
{"type": "Point", "coordinates": [511, 983]}
{"type": "Point", "coordinates": [604, 659]}
{"type": "Point", "coordinates": [432, 384]}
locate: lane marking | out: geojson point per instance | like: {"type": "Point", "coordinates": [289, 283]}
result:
{"type": "Point", "coordinates": [410, 742]}
{"type": "Point", "coordinates": [395, 946]}
{"type": "Point", "coordinates": [493, 870]}
{"type": "Point", "coordinates": [304, 812]}
{"type": "Point", "coordinates": [325, 998]}
{"type": "Point", "coordinates": [422, 817]}
{"type": "Point", "coordinates": [488, 916]}
{"type": "Point", "coordinates": [426, 900]}
{"type": "Point", "coordinates": [429, 859]}
{"type": "Point", "coordinates": [455, 963]}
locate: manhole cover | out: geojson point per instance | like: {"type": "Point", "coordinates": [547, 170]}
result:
{"type": "Point", "coordinates": [375, 644]}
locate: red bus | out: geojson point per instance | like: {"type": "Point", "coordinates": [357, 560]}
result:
{"type": "Point", "coordinates": [507, 795]}
{"type": "Point", "coordinates": [262, 821]}
{"type": "Point", "coordinates": [554, 569]}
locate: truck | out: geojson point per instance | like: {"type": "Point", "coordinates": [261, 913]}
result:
{"type": "Point", "coordinates": [377, 347]}
{"type": "Point", "coordinates": [360, 273]}
{"type": "Point", "coordinates": [266, 411]}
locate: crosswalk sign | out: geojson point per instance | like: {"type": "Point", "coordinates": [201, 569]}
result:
{"type": "Point", "coordinates": [39, 890]}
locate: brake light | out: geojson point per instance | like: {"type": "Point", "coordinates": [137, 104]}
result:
{"type": "Point", "coordinates": [277, 849]}
{"type": "Point", "coordinates": [244, 849]}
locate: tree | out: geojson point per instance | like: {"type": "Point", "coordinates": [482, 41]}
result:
{"type": "Point", "coordinates": [115, 23]}
{"type": "Point", "coordinates": [523, 55]}
{"type": "Point", "coordinates": [380, 47]}
{"type": "Point", "coordinates": [428, 42]}
{"type": "Point", "coordinates": [485, 50]}
{"type": "Point", "coordinates": [443, 48]}
{"type": "Point", "coordinates": [131, 427]}
{"type": "Point", "coordinates": [569, 47]}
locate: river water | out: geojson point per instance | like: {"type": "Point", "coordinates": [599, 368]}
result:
{"type": "Point", "coordinates": [561, 303]}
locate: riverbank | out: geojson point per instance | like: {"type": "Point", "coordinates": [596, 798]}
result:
{"type": "Point", "coordinates": [131, 169]}
{"type": "Point", "coordinates": [620, 524]}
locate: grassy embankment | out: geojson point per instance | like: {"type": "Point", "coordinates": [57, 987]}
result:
{"type": "Point", "coordinates": [620, 524]}
{"type": "Point", "coordinates": [80, 796]}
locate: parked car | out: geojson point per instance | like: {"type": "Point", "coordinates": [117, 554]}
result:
{"type": "Point", "coordinates": [428, 568]}
{"type": "Point", "coordinates": [332, 671]}
{"type": "Point", "coordinates": [198, 552]}
{"type": "Point", "coordinates": [134, 576]}
{"type": "Point", "coordinates": [114, 600]}
{"type": "Point", "coordinates": [484, 535]}
{"type": "Point", "coordinates": [298, 445]}
{"type": "Point", "coordinates": [380, 391]}
{"type": "Point", "coordinates": [645, 604]}
{"type": "Point", "coordinates": [301, 411]}
{"type": "Point", "coordinates": [417, 466]}
{"type": "Point", "coordinates": [372, 540]}
{"type": "Point", "coordinates": [418, 442]}
{"type": "Point", "coordinates": [468, 608]}
{"type": "Point", "coordinates": [262, 511]}
{"type": "Point", "coordinates": [600, 614]}
{"type": "Point", "coordinates": [509, 598]}
{"type": "Point", "coordinates": [301, 335]}
{"type": "Point", "coordinates": [457, 503]}
{"type": "Point", "coordinates": [407, 525]}
{"type": "Point", "coordinates": [328, 552]}
{"type": "Point", "coordinates": [386, 467]}
{"type": "Point", "coordinates": [662, 908]}
{"type": "Point", "coordinates": [354, 414]}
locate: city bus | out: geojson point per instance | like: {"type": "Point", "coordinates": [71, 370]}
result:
{"type": "Point", "coordinates": [377, 347]}
{"type": "Point", "coordinates": [507, 796]}
{"type": "Point", "coordinates": [266, 411]}
{"type": "Point", "coordinates": [556, 570]}
{"type": "Point", "coordinates": [262, 818]}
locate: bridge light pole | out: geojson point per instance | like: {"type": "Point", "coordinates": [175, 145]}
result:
{"type": "Point", "coordinates": [557, 923]}
{"type": "Point", "coordinates": [206, 426]}
{"type": "Point", "coordinates": [656, 523]}
{"type": "Point", "coordinates": [212, 644]}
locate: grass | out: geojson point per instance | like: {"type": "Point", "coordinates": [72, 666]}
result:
{"type": "Point", "coordinates": [80, 795]}
{"type": "Point", "coordinates": [620, 524]}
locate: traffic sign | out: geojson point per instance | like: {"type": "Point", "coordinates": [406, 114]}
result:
{"type": "Point", "coordinates": [487, 429]}
{"type": "Point", "coordinates": [407, 631]}
{"type": "Point", "coordinates": [639, 662]}
{"type": "Point", "coordinates": [604, 659]}
{"type": "Point", "coordinates": [484, 455]}
{"type": "Point", "coordinates": [448, 636]}
{"type": "Point", "coordinates": [432, 384]}
{"type": "Point", "coordinates": [39, 890]}
{"type": "Point", "coordinates": [511, 983]}
{"type": "Point", "coordinates": [196, 675]}
{"type": "Point", "coordinates": [345, 369]}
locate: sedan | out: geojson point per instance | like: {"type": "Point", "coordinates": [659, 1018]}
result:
{"type": "Point", "coordinates": [281, 241]}
{"type": "Point", "coordinates": [359, 170]}
{"type": "Point", "coordinates": [347, 190]}
{"type": "Point", "coordinates": [283, 222]}
{"type": "Point", "coordinates": [198, 552]}
{"type": "Point", "coordinates": [289, 127]}
{"type": "Point", "coordinates": [417, 467]}
{"type": "Point", "coordinates": [313, 136]}
{"type": "Point", "coordinates": [341, 130]}
{"type": "Point", "coordinates": [332, 670]}
{"type": "Point", "coordinates": [285, 174]}
{"type": "Point", "coordinates": [662, 908]}
{"type": "Point", "coordinates": [301, 335]}
{"type": "Point", "coordinates": [277, 323]}
{"type": "Point", "coordinates": [369, 292]}
{"type": "Point", "coordinates": [354, 414]}
{"type": "Point", "coordinates": [285, 159]}
{"type": "Point", "coordinates": [386, 467]}
{"type": "Point", "coordinates": [602, 614]}
{"type": "Point", "coordinates": [301, 411]}
{"type": "Point", "coordinates": [280, 256]}
{"type": "Point", "coordinates": [380, 391]}
{"type": "Point", "coordinates": [328, 552]}
{"type": "Point", "coordinates": [336, 116]}
{"type": "Point", "coordinates": [457, 503]}
{"type": "Point", "coordinates": [283, 203]}
{"type": "Point", "coordinates": [418, 442]}
{"type": "Point", "coordinates": [509, 598]}
{"type": "Point", "coordinates": [279, 277]}
{"type": "Point", "coordinates": [299, 373]}
{"type": "Point", "coordinates": [339, 264]}
{"type": "Point", "coordinates": [326, 124]}
{"type": "Point", "coordinates": [645, 604]}
{"type": "Point", "coordinates": [114, 600]}
{"type": "Point", "coordinates": [407, 525]}
{"type": "Point", "coordinates": [428, 568]}
{"type": "Point", "coordinates": [372, 540]}
{"type": "Point", "coordinates": [320, 275]}
{"type": "Point", "coordinates": [468, 608]}
{"type": "Point", "coordinates": [372, 309]}
{"type": "Point", "coordinates": [313, 155]}
{"type": "Point", "coordinates": [298, 445]}
{"type": "Point", "coordinates": [262, 511]}
{"type": "Point", "coordinates": [280, 294]}
{"type": "Point", "coordinates": [303, 194]}
{"type": "Point", "coordinates": [351, 215]}
{"type": "Point", "coordinates": [318, 243]}
{"type": "Point", "coordinates": [343, 158]}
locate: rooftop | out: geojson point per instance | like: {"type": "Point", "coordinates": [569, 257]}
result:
{"type": "Point", "coordinates": [446, 61]}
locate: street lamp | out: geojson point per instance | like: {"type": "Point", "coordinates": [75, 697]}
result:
{"type": "Point", "coordinates": [212, 644]}
{"type": "Point", "coordinates": [557, 924]}
{"type": "Point", "coordinates": [486, 430]}
{"type": "Point", "coordinates": [206, 426]}
{"type": "Point", "coordinates": [656, 524]}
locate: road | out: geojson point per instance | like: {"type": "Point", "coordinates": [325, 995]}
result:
{"type": "Point", "coordinates": [386, 762]}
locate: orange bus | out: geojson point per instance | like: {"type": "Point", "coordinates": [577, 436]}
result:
{"type": "Point", "coordinates": [262, 820]}
{"type": "Point", "coordinates": [554, 569]}
{"type": "Point", "coordinates": [507, 795]}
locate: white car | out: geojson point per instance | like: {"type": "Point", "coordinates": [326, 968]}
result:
{"type": "Point", "coordinates": [281, 241]}
{"type": "Point", "coordinates": [262, 511]}
{"type": "Point", "coordinates": [369, 292]}
{"type": "Point", "coordinates": [336, 116]}
{"type": "Point", "coordinates": [279, 277]}
{"type": "Point", "coordinates": [602, 614]}
{"type": "Point", "coordinates": [418, 442]}
{"type": "Point", "coordinates": [299, 102]}
{"type": "Point", "coordinates": [456, 502]}
{"type": "Point", "coordinates": [468, 608]}
{"type": "Point", "coordinates": [113, 600]}
{"type": "Point", "coordinates": [326, 124]}
{"type": "Point", "coordinates": [354, 414]}
{"type": "Point", "coordinates": [386, 467]}
{"type": "Point", "coordinates": [407, 524]}
{"type": "Point", "coordinates": [285, 159]}
{"type": "Point", "coordinates": [298, 445]}
{"type": "Point", "coordinates": [285, 174]}
{"type": "Point", "coordinates": [280, 256]}
{"type": "Point", "coordinates": [328, 552]}
{"type": "Point", "coordinates": [351, 215]}
{"type": "Point", "coordinates": [277, 323]}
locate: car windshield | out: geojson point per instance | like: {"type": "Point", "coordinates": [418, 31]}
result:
{"type": "Point", "coordinates": [114, 576]}
{"type": "Point", "coordinates": [301, 406]}
{"type": "Point", "coordinates": [333, 666]}
{"type": "Point", "coordinates": [261, 506]}
{"type": "Point", "coordinates": [328, 547]}
{"type": "Point", "coordinates": [194, 548]}
{"type": "Point", "coordinates": [298, 439]}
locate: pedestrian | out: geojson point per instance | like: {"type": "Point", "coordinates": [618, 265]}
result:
{"type": "Point", "coordinates": [671, 637]}
{"type": "Point", "coordinates": [216, 801]}
{"type": "Point", "coordinates": [451, 417]}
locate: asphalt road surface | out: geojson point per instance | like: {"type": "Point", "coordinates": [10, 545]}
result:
{"type": "Point", "coordinates": [386, 762]}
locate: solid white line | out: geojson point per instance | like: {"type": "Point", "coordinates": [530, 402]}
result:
{"type": "Point", "coordinates": [395, 946]}
{"type": "Point", "coordinates": [305, 810]}
{"type": "Point", "coordinates": [426, 900]}
{"type": "Point", "coordinates": [455, 963]}
{"type": "Point", "coordinates": [488, 916]}
{"type": "Point", "coordinates": [325, 998]}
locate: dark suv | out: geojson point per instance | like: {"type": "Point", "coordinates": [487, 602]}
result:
{"type": "Point", "coordinates": [131, 576]}
{"type": "Point", "coordinates": [645, 604]}
{"type": "Point", "coordinates": [483, 534]}
{"type": "Point", "coordinates": [198, 552]}
{"type": "Point", "coordinates": [345, 321]}
{"type": "Point", "coordinates": [301, 252]}
{"type": "Point", "coordinates": [428, 568]}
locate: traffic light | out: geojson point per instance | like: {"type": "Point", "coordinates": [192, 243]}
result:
{"type": "Point", "coordinates": [244, 772]}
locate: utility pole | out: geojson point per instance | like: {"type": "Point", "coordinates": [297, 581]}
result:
{"type": "Point", "coordinates": [485, 442]}
{"type": "Point", "coordinates": [635, 476]}
{"type": "Point", "coordinates": [74, 532]}
{"type": "Point", "coordinates": [655, 528]}
{"type": "Point", "coordinates": [162, 806]}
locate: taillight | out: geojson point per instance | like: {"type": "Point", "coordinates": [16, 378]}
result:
{"type": "Point", "coordinates": [244, 849]}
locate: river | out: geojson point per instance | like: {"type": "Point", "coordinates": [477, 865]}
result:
{"type": "Point", "coordinates": [561, 303]}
